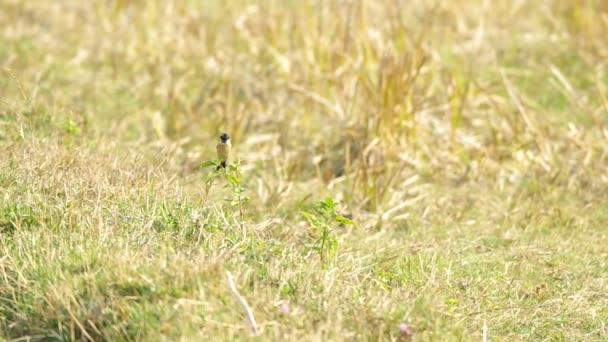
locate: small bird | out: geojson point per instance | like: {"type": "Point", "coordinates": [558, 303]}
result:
{"type": "Point", "coordinates": [223, 150]}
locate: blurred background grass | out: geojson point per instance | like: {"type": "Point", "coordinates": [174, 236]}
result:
{"type": "Point", "coordinates": [466, 139]}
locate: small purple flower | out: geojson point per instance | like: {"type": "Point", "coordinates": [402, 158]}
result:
{"type": "Point", "coordinates": [404, 329]}
{"type": "Point", "coordinates": [284, 308]}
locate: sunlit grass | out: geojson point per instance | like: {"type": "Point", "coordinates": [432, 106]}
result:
{"type": "Point", "coordinates": [465, 140]}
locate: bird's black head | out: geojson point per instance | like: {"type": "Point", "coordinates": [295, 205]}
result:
{"type": "Point", "coordinates": [224, 137]}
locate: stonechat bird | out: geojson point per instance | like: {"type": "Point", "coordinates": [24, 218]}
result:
{"type": "Point", "coordinates": [223, 150]}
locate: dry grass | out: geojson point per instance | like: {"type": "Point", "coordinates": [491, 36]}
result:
{"type": "Point", "coordinates": [467, 140]}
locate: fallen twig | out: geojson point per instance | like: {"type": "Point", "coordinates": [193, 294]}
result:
{"type": "Point", "coordinates": [250, 319]}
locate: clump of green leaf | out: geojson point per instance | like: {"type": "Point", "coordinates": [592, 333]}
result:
{"type": "Point", "coordinates": [232, 173]}
{"type": "Point", "coordinates": [323, 218]}
{"type": "Point", "coordinates": [13, 216]}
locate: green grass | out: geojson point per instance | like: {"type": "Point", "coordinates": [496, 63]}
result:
{"type": "Point", "coordinates": [467, 142]}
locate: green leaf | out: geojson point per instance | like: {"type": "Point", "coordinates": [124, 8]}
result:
{"type": "Point", "coordinates": [312, 219]}
{"type": "Point", "coordinates": [208, 164]}
{"type": "Point", "coordinates": [322, 206]}
{"type": "Point", "coordinates": [344, 220]}
{"type": "Point", "coordinates": [232, 179]}
{"type": "Point", "coordinates": [308, 216]}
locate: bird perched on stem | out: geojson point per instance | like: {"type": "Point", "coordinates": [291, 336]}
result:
{"type": "Point", "coordinates": [223, 150]}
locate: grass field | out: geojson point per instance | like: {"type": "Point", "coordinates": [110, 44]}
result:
{"type": "Point", "coordinates": [402, 170]}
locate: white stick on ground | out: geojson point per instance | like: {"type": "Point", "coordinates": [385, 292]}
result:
{"type": "Point", "coordinates": [250, 319]}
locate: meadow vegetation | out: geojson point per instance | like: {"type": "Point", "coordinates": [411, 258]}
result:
{"type": "Point", "coordinates": [435, 164]}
